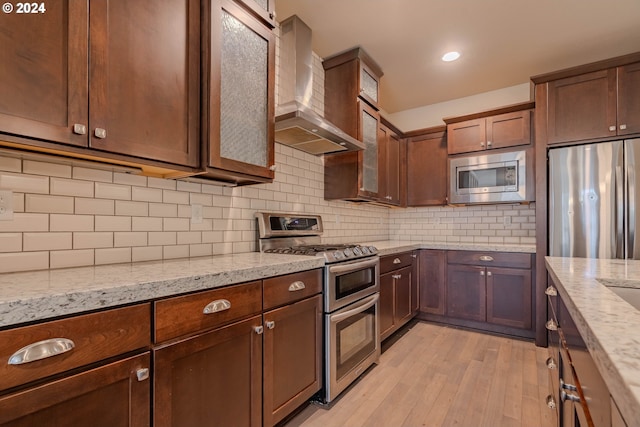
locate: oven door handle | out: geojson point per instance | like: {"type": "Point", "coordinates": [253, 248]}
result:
{"type": "Point", "coordinates": [347, 268]}
{"type": "Point", "coordinates": [366, 304]}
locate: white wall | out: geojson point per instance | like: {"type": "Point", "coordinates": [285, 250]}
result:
{"type": "Point", "coordinates": [432, 115]}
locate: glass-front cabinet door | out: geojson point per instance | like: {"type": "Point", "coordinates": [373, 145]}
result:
{"type": "Point", "coordinates": [264, 9]}
{"type": "Point", "coordinates": [369, 123]}
{"type": "Point", "coordinates": [241, 91]}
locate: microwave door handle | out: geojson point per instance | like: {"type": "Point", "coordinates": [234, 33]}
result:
{"type": "Point", "coordinates": [367, 303]}
{"type": "Point", "coordinates": [354, 266]}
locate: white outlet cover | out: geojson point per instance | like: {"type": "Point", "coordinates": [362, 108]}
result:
{"type": "Point", "coordinates": [6, 205]}
{"type": "Point", "coordinates": [196, 214]}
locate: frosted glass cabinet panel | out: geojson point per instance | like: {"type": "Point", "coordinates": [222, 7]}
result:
{"type": "Point", "coordinates": [241, 92]}
{"type": "Point", "coordinates": [264, 9]}
{"type": "Point", "coordinates": [369, 135]}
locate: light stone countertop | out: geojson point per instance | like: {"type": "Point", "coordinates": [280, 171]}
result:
{"type": "Point", "coordinates": [389, 247]}
{"type": "Point", "coordinates": [609, 325]}
{"type": "Point", "coordinates": [38, 295]}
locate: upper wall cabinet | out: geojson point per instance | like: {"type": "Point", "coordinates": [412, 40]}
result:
{"type": "Point", "coordinates": [426, 167]}
{"type": "Point", "coordinates": [389, 155]}
{"type": "Point", "coordinates": [263, 9]}
{"type": "Point", "coordinates": [596, 101]}
{"type": "Point", "coordinates": [347, 76]}
{"type": "Point", "coordinates": [118, 77]}
{"type": "Point", "coordinates": [489, 130]}
{"type": "Point", "coordinates": [239, 101]}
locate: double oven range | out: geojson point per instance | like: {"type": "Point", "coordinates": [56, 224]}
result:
{"type": "Point", "coordinates": [350, 293]}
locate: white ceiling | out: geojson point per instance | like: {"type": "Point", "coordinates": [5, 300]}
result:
{"type": "Point", "coordinates": [503, 42]}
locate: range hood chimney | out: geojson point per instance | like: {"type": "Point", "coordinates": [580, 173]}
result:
{"type": "Point", "coordinates": [297, 124]}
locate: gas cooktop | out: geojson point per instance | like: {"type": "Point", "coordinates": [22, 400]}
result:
{"type": "Point", "coordinates": [331, 253]}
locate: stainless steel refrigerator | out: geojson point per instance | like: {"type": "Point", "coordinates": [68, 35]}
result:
{"type": "Point", "coordinates": [592, 200]}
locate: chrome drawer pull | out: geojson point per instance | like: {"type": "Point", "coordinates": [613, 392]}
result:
{"type": "Point", "coordinates": [296, 286]}
{"type": "Point", "coordinates": [551, 291]}
{"type": "Point", "coordinates": [142, 374]}
{"type": "Point", "coordinates": [396, 276]}
{"type": "Point", "coordinates": [270, 324]}
{"type": "Point", "coordinates": [41, 350]}
{"type": "Point", "coordinates": [217, 306]}
{"type": "Point", "coordinates": [258, 330]}
{"type": "Point", "coordinates": [100, 133]}
{"type": "Point", "coordinates": [486, 258]}
{"type": "Point", "coordinates": [489, 273]}
{"type": "Point", "coordinates": [397, 261]}
{"type": "Point", "coordinates": [551, 325]}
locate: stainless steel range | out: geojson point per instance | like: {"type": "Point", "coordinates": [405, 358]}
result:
{"type": "Point", "coordinates": [351, 293]}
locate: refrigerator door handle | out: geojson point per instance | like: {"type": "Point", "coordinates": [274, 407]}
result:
{"type": "Point", "coordinates": [631, 198]}
{"type": "Point", "coordinates": [620, 217]}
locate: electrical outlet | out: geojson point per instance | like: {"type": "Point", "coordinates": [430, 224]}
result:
{"type": "Point", "coordinates": [196, 214]}
{"type": "Point", "coordinates": [6, 205]}
{"type": "Point", "coordinates": [337, 218]}
{"type": "Point", "coordinates": [507, 220]}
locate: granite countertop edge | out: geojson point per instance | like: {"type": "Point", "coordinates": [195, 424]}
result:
{"type": "Point", "coordinates": [609, 325]}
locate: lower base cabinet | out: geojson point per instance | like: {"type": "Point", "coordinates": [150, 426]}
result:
{"type": "Point", "coordinates": [107, 396]}
{"type": "Point", "coordinates": [212, 379]}
{"type": "Point", "coordinates": [292, 357]}
{"type": "Point", "coordinates": [398, 292]}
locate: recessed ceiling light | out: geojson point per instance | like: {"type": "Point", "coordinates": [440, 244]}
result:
{"type": "Point", "coordinates": [450, 56]}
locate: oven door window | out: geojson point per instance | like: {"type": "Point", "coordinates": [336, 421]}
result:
{"type": "Point", "coordinates": [490, 177]}
{"type": "Point", "coordinates": [354, 282]}
{"type": "Point", "coordinates": [355, 340]}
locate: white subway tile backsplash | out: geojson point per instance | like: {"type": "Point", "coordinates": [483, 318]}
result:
{"type": "Point", "coordinates": [48, 204]}
{"type": "Point", "coordinates": [146, 253]}
{"type": "Point", "coordinates": [23, 261]}
{"type": "Point", "coordinates": [134, 238]}
{"type": "Point", "coordinates": [112, 255]}
{"type": "Point", "coordinates": [24, 183]}
{"type": "Point", "coordinates": [175, 224]}
{"type": "Point", "coordinates": [177, 197]}
{"type": "Point", "coordinates": [204, 249]}
{"type": "Point", "coordinates": [61, 222]}
{"type": "Point", "coordinates": [165, 184]}
{"type": "Point", "coordinates": [92, 174]}
{"type": "Point", "coordinates": [129, 179]}
{"type": "Point", "coordinates": [47, 241]}
{"type": "Point", "coordinates": [163, 210]}
{"type": "Point", "coordinates": [112, 223]}
{"type": "Point", "coordinates": [162, 238]}
{"type": "Point", "coordinates": [94, 206]}
{"type": "Point", "coordinates": [75, 258]}
{"type": "Point", "coordinates": [112, 191]}
{"type": "Point", "coordinates": [10, 242]}
{"type": "Point", "coordinates": [71, 187]}
{"type": "Point", "coordinates": [127, 208]}
{"type": "Point", "coordinates": [47, 169]}
{"type": "Point", "coordinates": [146, 224]}
{"type": "Point", "coordinates": [191, 187]}
{"type": "Point", "coordinates": [90, 240]}
{"type": "Point", "coordinates": [178, 251]}
{"type": "Point", "coordinates": [145, 194]}
{"type": "Point", "coordinates": [10, 164]}
{"type": "Point", "coordinates": [25, 222]}
{"type": "Point", "coordinates": [189, 237]}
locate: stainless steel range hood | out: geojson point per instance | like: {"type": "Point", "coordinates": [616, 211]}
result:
{"type": "Point", "coordinates": [297, 124]}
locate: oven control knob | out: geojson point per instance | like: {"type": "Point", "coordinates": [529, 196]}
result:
{"type": "Point", "coordinates": [365, 250]}
{"type": "Point", "coordinates": [357, 251]}
{"type": "Point", "coordinates": [373, 249]}
{"type": "Point", "coordinates": [337, 255]}
{"type": "Point", "coordinates": [348, 252]}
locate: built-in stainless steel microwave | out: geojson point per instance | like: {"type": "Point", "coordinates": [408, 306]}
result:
{"type": "Point", "coordinates": [490, 178]}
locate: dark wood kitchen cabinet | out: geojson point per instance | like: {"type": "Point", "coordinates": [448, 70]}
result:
{"type": "Point", "coordinates": [351, 103]}
{"type": "Point", "coordinates": [490, 287]}
{"type": "Point", "coordinates": [98, 78]}
{"type": "Point", "coordinates": [501, 128]}
{"type": "Point", "coordinates": [592, 102]}
{"type": "Point", "coordinates": [239, 87]}
{"type": "Point", "coordinates": [397, 289]}
{"type": "Point", "coordinates": [426, 167]}
{"type": "Point", "coordinates": [389, 154]}
{"type": "Point", "coordinates": [432, 279]}
{"type": "Point", "coordinates": [70, 387]}
{"type": "Point", "coordinates": [292, 342]}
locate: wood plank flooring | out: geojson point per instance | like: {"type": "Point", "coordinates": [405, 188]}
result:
{"type": "Point", "coordinates": [434, 375]}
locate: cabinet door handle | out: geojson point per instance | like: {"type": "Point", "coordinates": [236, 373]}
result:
{"type": "Point", "coordinates": [564, 396]}
{"type": "Point", "coordinates": [489, 274]}
{"type": "Point", "coordinates": [551, 325]}
{"type": "Point", "coordinates": [486, 258]}
{"type": "Point", "coordinates": [566, 386]}
{"type": "Point", "coordinates": [217, 306]}
{"type": "Point", "coordinates": [482, 273]}
{"type": "Point", "coordinates": [397, 261]}
{"type": "Point", "coordinates": [41, 350]}
{"type": "Point", "coordinates": [488, 143]}
{"type": "Point", "coordinates": [142, 374]}
{"type": "Point", "coordinates": [100, 133]}
{"type": "Point", "coordinates": [258, 330]}
{"type": "Point", "coordinates": [79, 129]}
{"type": "Point", "coordinates": [551, 291]}
{"type": "Point", "coordinates": [551, 402]}
{"type": "Point", "coordinates": [270, 324]}
{"type": "Point", "coordinates": [551, 364]}
{"type": "Point", "coordinates": [298, 285]}
{"type": "Point", "coordinates": [612, 128]}
{"type": "Point", "coordinates": [397, 276]}
{"type": "Point", "coordinates": [414, 256]}
{"type": "Point", "coordinates": [623, 127]}
{"type": "Point", "coordinates": [482, 144]}
{"type": "Point", "coordinates": [273, 167]}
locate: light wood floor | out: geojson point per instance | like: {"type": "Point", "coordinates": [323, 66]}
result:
{"type": "Point", "coordinates": [441, 376]}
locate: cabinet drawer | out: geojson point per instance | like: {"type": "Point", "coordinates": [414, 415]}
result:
{"type": "Point", "coordinates": [393, 262]}
{"type": "Point", "coordinates": [495, 259]}
{"type": "Point", "coordinates": [286, 289]}
{"type": "Point", "coordinates": [95, 337]}
{"type": "Point", "coordinates": [185, 315]}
